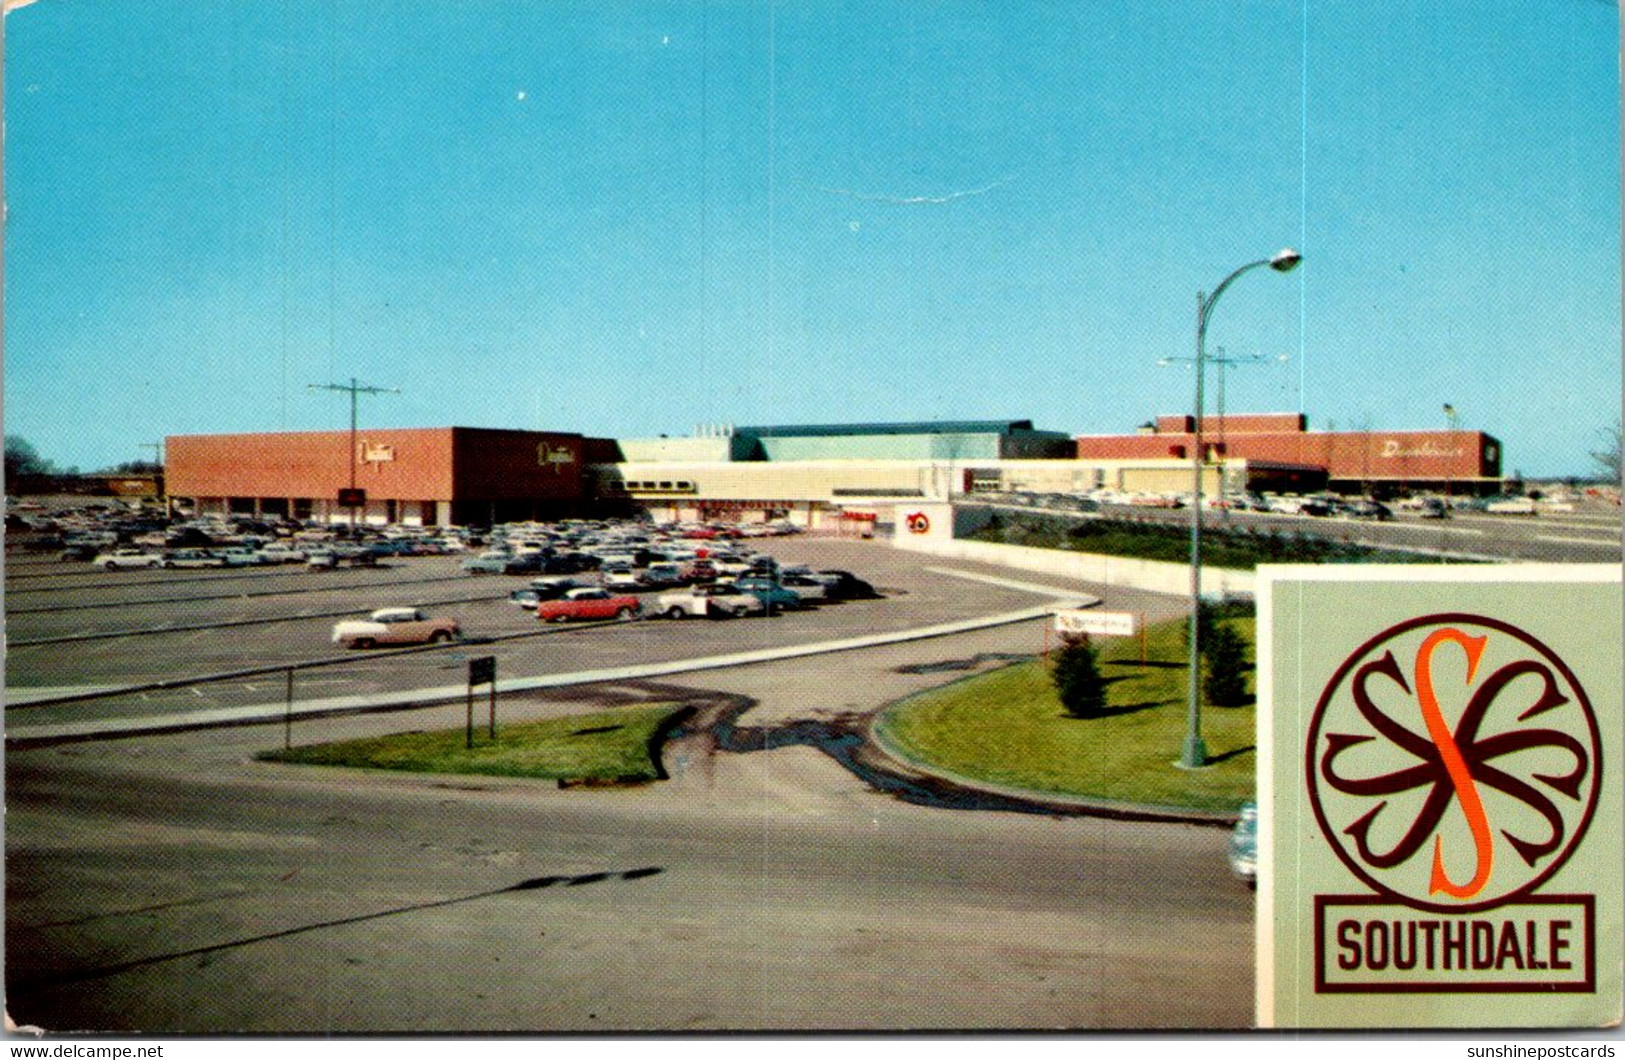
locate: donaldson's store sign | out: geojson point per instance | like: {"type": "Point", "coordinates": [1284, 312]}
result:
{"type": "Point", "coordinates": [1440, 825]}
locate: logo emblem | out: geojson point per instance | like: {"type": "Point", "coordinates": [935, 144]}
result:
{"type": "Point", "coordinates": [918, 523]}
{"type": "Point", "coordinates": [1453, 762]}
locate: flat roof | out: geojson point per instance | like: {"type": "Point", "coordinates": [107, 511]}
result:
{"type": "Point", "coordinates": [837, 430]}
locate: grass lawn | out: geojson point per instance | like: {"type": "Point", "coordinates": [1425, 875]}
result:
{"type": "Point", "coordinates": [608, 745]}
{"type": "Point", "coordinates": [1240, 547]}
{"type": "Point", "coordinates": [1007, 727]}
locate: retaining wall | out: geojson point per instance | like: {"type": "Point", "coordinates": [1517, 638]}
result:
{"type": "Point", "coordinates": [1151, 575]}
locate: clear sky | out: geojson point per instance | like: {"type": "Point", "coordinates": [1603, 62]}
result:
{"type": "Point", "coordinates": [626, 218]}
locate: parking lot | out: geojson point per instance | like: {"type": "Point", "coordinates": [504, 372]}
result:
{"type": "Point", "coordinates": [1589, 534]}
{"type": "Point", "coordinates": [75, 629]}
{"type": "Point", "coordinates": [714, 896]}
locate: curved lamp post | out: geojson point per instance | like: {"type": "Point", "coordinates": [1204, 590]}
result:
{"type": "Point", "coordinates": [1194, 754]}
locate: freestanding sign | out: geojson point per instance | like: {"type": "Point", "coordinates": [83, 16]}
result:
{"type": "Point", "coordinates": [1439, 792]}
{"type": "Point", "coordinates": [1097, 623]}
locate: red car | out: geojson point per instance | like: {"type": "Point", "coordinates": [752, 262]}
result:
{"type": "Point", "coordinates": [589, 604]}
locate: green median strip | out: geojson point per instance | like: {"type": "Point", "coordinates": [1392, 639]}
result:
{"type": "Point", "coordinates": [1007, 728]}
{"type": "Point", "coordinates": [617, 745]}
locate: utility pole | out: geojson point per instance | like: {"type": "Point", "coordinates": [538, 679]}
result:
{"type": "Point", "coordinates": [353, 388]}
{"type": "Point", "coordinates": [158, 458]}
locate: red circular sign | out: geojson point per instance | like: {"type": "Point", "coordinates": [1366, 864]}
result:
{"type": "Point", "coordinates": [918, 523]}
{"type": "Point", "coordinates": [1453, 762]}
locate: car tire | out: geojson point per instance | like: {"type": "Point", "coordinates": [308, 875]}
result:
{"type": "Point", "coordinates": [559, 618]}
{"type": "Point", "coordinates": [741, 611]}
{"type": "Point", "coordinates": [109, 566]}
{"type": "Point", "coordinates": [624, 614]}
{"type": "Point", "coordinates": [439, 636]}
{"type": "Point", "coordinates": [362, 643]}
{"type": "Point", "coordinates": [675, 611]}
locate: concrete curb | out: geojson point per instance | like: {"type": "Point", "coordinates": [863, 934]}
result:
{"type": "Point", "coordinates": [1127, 811]}
{"type": "Point", "coordinates": [39, 735]}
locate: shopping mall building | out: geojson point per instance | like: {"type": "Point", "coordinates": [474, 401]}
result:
{"type": "Point", "coordinates": [1383, 463]}
{"type": "Point", "coordinates": [820, 476]}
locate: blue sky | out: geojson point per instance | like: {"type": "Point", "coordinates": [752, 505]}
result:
{"type": "Point", "coordinates": [625, 218]}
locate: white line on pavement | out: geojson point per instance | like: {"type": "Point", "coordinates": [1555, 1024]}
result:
{"type": "Point", "coordinates": [1027, 587]}
{"type": "Point", "coordinates": [248, 715]}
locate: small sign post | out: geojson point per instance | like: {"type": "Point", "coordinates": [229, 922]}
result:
{"type": "Point", "coordinates": [1102, 624]}
{"type": "Point", "coordinates": [482, 670]}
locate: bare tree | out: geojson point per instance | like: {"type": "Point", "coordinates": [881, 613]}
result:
{"type": "Point", "coordinates": [1608, 456]}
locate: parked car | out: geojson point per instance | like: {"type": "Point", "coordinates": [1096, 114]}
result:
{"type": "Point", "coordinates": [1368, 509]}
{"type": "Point", "coordinates": [395, 625]}
{"type": "Point", "coordinates": [810, 590]}
{"type": "Point", "coordinates": [280, 553]}
{"type": "Point", "coordinates": [340, 556]}
{"type": "Point", "coordinates": [624, 578]}
{"type": "Point", "coordinates": [1433, 508]}
{"type": "Point", "coordinates": [1510, 506]}
{"type": "Point", "coordinates": [127, 558]}
{"type": "Point", "coordinates": [774, 597]}
{"type": "Point", "coordinates": [701, 570]}
{"type": "Point", "coordinates": [589, 604]}
{"type": "Point", "coordinates": [78, 553]}
{"type": "Point", "coordinates": [844, 585]}
{"type": "Point", "coordinates": [238, 556]}
{"type": "Point", "coordinates": [1244, 846]}
{"type": "Point", "coordinates": [662, 575]}
{"type": "Point", "coordinates": [712, 601]}
{"type": "Point", "coordinates": [493, 562]}
{"type": "Point", "coordinates": [192, 557]}
{"type": "Point", "coordinates": [734, 565]}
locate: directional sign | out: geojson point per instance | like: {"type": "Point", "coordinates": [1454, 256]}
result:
{"type": "Point", "coordinates": [483, 670]}
{"type": "Point", "coordinates": [1098, 623]}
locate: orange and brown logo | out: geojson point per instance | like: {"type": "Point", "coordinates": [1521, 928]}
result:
{"type": "Point", "coordinates": [1453, 763]}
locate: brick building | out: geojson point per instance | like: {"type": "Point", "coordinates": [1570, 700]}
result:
{"type": "Point", "coordinates": [434, 476]}
{"type": "Point", "coordinates": [1382, 462]}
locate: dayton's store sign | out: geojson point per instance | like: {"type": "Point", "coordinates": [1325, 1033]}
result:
{"type": "Point", "coordinates": [1441, 791]}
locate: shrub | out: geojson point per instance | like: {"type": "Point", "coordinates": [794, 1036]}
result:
{"type": "Point", "coordinates": [1226, 681]}
{"type": "Point", "coordinates": [1078, 682]}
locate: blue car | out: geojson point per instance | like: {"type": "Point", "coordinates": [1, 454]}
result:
{"type": "Point", "coordinates": [774, 597]}
{"type": "Point", "coordinates": [1244, 846]}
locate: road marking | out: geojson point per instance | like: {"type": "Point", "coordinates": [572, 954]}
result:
{"type": "Point", "coordinates": [1592, 541]}
{"type": "Point", "coordinates": [1010, 583]}
{"type": "Point", "coordinates": [398, 700]}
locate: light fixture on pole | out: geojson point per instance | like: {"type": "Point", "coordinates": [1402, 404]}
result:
{"type": "Point", "coordinates": [1194, 753]}
{"type": "Point", "coordinates": [1450, 422]}
{"type": "Point", "coordinates": [352, 388]}
{"type": "Point", "coordinates": [1224, 361]}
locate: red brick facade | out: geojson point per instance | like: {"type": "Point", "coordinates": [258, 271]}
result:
{"type": "Point", "coordinates": [407, 470]}
{"type": "Point", "coordinates": [1421, 457]}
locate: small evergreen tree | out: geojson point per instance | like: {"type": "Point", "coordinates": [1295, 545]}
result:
{"type": "Point", "coordinates": [1076, 673]}
{"type": "Point", "coordinates": [1226, 653]}
{"type": "Point", "coordinates": [1206, 621]}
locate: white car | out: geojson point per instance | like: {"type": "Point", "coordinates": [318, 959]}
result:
{"type": "Point", "coordinates": [192, 557]}
{"type": "Point", "coordinates": [708, 600]}
{"type": "Point", "coordinates": [622, 578]}
{"type": "Point", "coordinates": [281, 554]}
{"type": "Point", "coordinates": [237, 556]}
{"type": "Point", "coordinates": [395, 625]}
{"type": "Point", "coordinates": [127, 559]}
{"type": "Point", "coordinates": [1511, 506]}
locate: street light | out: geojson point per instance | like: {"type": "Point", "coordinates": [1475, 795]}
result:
{"type": "Point", "coordinates": [1194, 754]}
